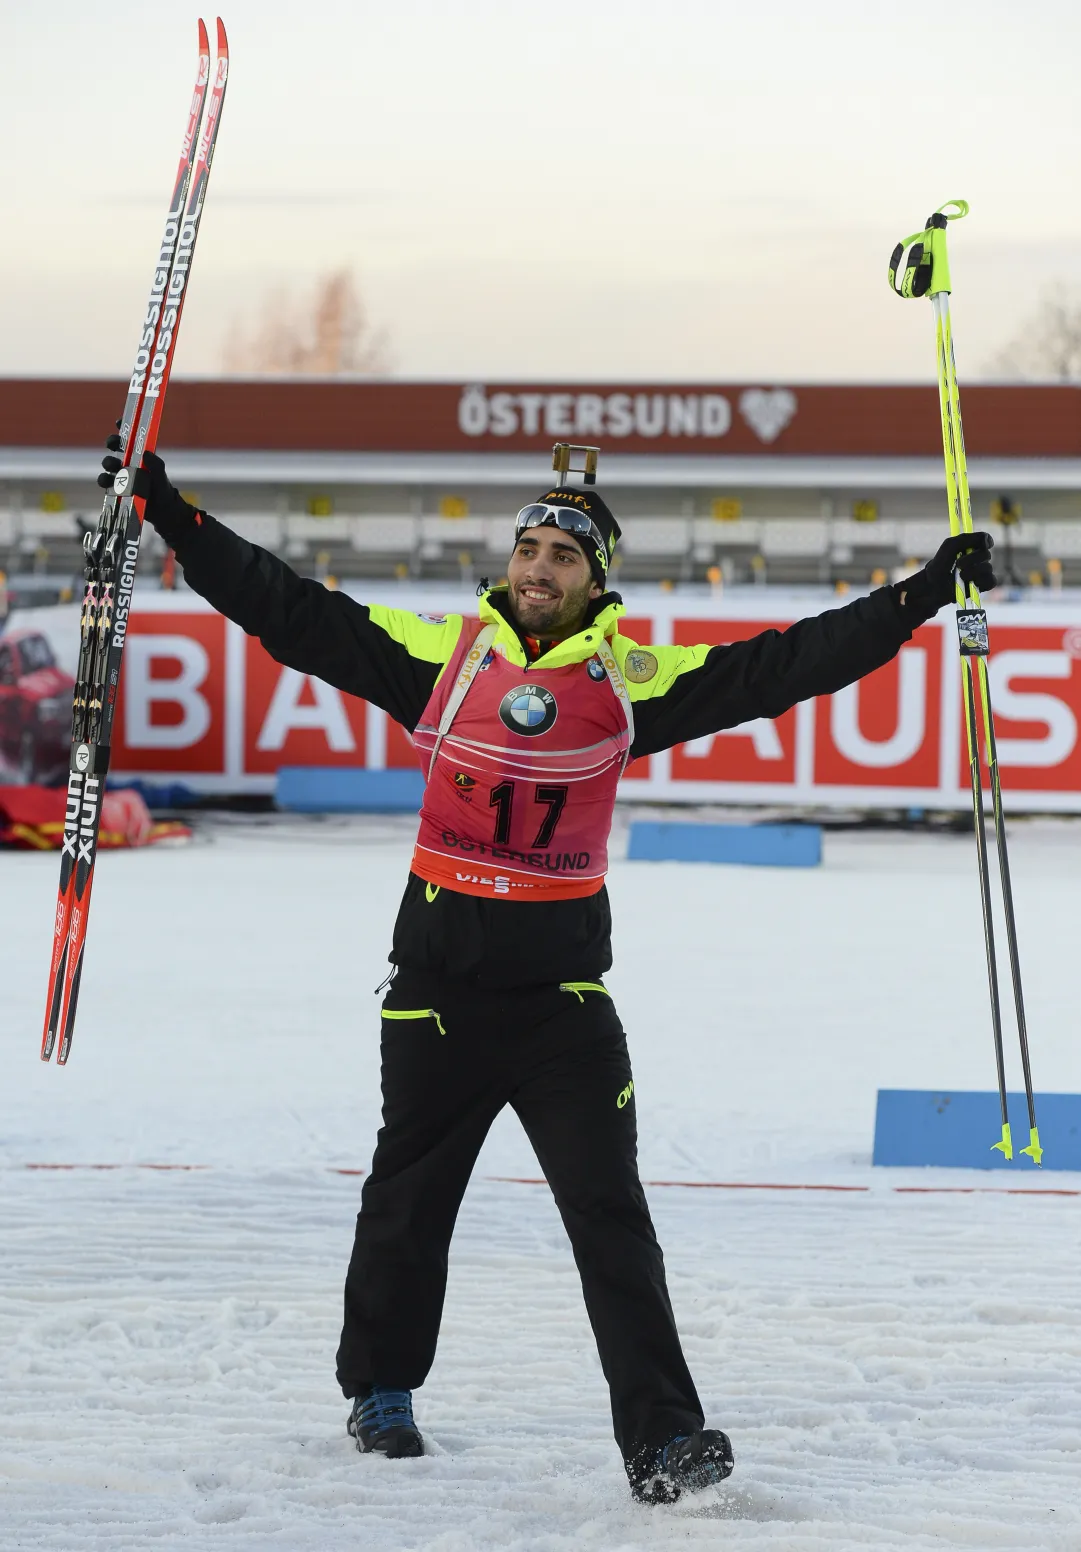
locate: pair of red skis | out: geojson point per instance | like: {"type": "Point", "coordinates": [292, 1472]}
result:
{"type": "Point", "coordinates": [112, 551]}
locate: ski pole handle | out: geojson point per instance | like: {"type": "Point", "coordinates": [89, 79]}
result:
{"type": "Point", "coordinates": [920, 265]}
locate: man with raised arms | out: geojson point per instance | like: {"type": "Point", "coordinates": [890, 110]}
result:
{"type": "Point", "coordinates": [524, 717]}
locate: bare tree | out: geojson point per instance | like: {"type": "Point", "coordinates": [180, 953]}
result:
{"type": "Point", "coordinates": [326, 335]}
{"type": "Point", "coordinates": [1049, 346]}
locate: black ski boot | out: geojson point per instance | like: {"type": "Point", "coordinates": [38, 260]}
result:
{"type": "Point", "coordinates": [382, 1420]}
{"type": "Point", "coordinates": [686, 1464]}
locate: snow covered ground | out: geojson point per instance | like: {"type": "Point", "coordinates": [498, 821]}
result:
{"type": "Point", "coordinates": [896, 1369]}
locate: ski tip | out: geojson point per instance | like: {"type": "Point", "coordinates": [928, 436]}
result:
{"type": "Point", "coordinates": [204, 37]}
{"type": "Point", "coordinates": [223, 41]}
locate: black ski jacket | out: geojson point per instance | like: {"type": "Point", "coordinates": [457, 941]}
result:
{"type": "Point", "coordinates": [392, 658]}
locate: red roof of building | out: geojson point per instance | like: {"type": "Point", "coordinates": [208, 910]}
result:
{"type": "Point", "coordinates": [1017, 421]}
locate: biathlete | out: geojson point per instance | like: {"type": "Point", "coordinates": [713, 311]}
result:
{"type": "Point", "coordinates": [524, 717]}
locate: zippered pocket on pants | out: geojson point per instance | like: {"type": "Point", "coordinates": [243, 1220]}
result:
{"type": "Point", "coordinates": [578, 987]}
{"type": "Point", "coordinates": [415, 1013]}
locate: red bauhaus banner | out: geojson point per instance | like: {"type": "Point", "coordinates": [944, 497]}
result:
{"type": "Point", "coordinates": [204, 704]}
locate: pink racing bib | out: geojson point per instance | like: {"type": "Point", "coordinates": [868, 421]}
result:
{"type": "Point", "coordinates": [522, 767]}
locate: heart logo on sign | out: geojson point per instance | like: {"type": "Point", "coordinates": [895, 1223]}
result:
{"type": "Point", "coordinates": [767, 410]}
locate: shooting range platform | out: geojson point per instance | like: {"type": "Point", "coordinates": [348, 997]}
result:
{"type": "Point", "coordinates": [764, 845]}
{"type": "Point", "coordinates": [956, 1129]}
{"type": "Point", "coordinates": [324, 789]}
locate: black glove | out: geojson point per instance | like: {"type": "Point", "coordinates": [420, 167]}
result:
{"type": "Point", "coordinates": [925, 593]}
{"type": "Point", "coordinates": [166, 508]}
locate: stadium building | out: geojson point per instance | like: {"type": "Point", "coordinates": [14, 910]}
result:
{"type": "Point", "coordinates": [417, 480]}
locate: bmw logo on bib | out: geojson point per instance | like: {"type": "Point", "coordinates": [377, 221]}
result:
{"type": "Point", "coordinates": [528, 709]}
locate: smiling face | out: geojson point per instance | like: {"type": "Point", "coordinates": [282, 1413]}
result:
{"type": "Point", "coordinates": [550, 584]}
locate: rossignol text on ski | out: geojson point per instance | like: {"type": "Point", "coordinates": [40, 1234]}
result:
{"type": "Point", "coordinates": [112, 550]}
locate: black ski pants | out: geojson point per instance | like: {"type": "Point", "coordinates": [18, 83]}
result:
{"type": "Point", "coordinates": [559, 1058]}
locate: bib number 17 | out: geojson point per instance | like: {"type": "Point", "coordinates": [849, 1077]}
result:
{"type": "Point", "coordinates": [502, 800]}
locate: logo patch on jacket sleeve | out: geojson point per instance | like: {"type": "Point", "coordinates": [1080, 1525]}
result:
{"type": "Point", "coordinates": [596, 670]}
{"type": "Point", "coordinates": [640, 667]}
{"type": "Point", "coordinates": [528, 709]}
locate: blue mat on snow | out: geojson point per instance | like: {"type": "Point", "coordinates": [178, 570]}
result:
{"type": "Point", "coordinates": [330, 789]}
{"type": "Point", "coordinates": [765, 845]}
{"type": "Point", "coordinates": [956, 1129]}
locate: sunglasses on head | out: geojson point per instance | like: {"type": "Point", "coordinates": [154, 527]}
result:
{"type": "Point", "coordinates": [539, 515]}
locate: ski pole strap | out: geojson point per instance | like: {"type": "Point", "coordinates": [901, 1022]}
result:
{"type": "Point", "coordinates": [919, 265]}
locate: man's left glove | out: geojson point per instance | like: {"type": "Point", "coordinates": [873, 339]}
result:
{"type": "Point", "coordinates": [931, 588]}
{"type": "Point", "coordinates": [166, 508]}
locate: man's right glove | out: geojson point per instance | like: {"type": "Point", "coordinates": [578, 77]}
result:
{"type": "Point", "coordinates": [931, 588]}
{"type": "Point", "coordinates": [166, 508]}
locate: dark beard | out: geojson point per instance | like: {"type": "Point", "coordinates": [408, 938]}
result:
{"type": "Point", "coordinates": [552, 621]}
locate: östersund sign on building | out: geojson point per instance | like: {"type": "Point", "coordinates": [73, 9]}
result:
{"type": "Point", "coordinates": [620, 415]}
{"type": "Point", "coordinates": [743, 420]}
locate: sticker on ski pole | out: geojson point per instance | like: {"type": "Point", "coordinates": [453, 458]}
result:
{"type": "Point", "coordinates": [972, 632]}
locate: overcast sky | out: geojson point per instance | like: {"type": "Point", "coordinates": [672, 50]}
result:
{"type": "Point", "coordinates": [693, 189]}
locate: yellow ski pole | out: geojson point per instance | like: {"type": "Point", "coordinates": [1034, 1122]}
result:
{"type": "Point", "coordinates": [919, 266]}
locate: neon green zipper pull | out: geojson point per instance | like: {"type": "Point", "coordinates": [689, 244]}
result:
{"type": "Point", "coordinates": [578, 987]}
{"type": "Point", "coordinates": [415, 1013]}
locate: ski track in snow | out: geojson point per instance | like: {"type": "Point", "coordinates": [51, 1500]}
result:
{"type": "Point", "coordinates": [896, 1371]}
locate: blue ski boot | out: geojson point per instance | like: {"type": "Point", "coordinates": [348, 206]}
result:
{"type": "Point", "coordinates": [382, 1420]}
{"type": "Point", "coordinates": [686, 1464]}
